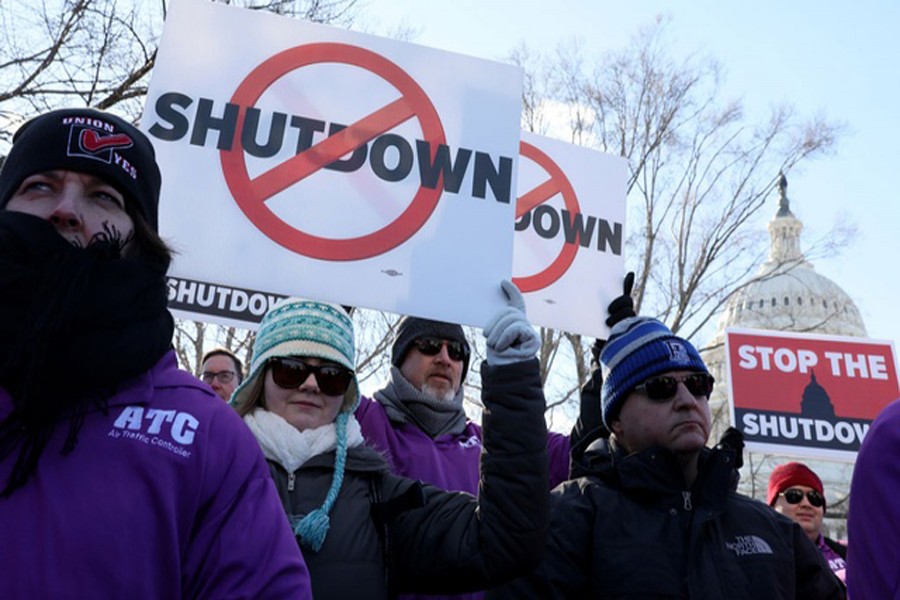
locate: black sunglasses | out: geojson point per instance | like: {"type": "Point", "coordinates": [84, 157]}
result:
{"type": "Point", "coordinates": [290, 373]}
{"type": "Point", "coordinates": [664, 387]}
{"type": "Point", "coordinates": [795, 496]}
{"type": "Point", "coordinates": [430, 346]}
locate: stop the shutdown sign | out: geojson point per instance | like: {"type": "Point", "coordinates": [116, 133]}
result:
{"type": "Point", "coordinates": [313, 161]}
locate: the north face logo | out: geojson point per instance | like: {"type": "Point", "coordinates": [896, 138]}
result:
{"type": "Point", "coordinates": [745, 545]}
{"type": "Point", "coordinates": [677, 352]}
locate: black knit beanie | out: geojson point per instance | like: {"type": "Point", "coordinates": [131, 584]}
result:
{"type": "Point", "coordinates": [410, 329]}
{"type": "Point", "coordinates": [89, 141]}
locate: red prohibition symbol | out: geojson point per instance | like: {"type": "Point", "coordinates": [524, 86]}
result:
{"type": "Point", "coordinates": [556, 184]}
{"type": "Point", "coordinates": [251, 194]}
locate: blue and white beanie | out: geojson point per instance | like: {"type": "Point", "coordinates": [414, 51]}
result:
{"type": "Point", "coordinates": [297, 327]}
{"type": "Point", "coordinates": [639, 348]}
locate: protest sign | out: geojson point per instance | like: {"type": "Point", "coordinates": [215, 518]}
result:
{"type": "Point", "coordinates": [805, 394]}
{"type": "Point", "coordinates": [313, 161]}
{"type": "Point", "coordinates": [570, 234]}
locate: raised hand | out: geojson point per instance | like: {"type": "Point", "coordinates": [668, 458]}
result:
{"type": "Point", "coordinates": [509, 336]}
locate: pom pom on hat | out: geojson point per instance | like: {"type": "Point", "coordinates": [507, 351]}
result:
{"type": "Point", "coordinates": [789, 475]}
{"type": "Point", "coordinates": [313, 528]}
{"type": "Point", "coordinates": [639, 348]}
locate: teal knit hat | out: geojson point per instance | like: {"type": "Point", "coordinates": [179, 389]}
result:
{"type": "Point", "coordinates": [311, 329]}
{"type": "Point", "coordinates": [298, 327]}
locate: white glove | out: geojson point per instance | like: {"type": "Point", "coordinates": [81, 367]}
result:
{"type": "Point", "coordinates": [510, 337]}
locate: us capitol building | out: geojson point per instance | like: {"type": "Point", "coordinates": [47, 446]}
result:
{"type": "Point", "coordinates": [786, 294]}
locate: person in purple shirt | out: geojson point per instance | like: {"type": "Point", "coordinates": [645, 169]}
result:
{"type": "Point", "coordinates": [873, 525]}
{"type": "Point", "coordinates": [797, 492]}
{"type": "Point", "coordinates": [417, 420]}
{"type": "Point", "coordinates": [120, 475]}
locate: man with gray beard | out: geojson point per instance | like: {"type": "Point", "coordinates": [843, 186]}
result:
{"type": "Point", "coordinates": [417, 420]}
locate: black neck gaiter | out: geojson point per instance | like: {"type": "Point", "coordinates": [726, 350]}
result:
{"type": "Point", "coordinates": [74, 324]}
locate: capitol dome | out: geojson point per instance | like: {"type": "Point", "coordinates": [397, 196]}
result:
{"type": "Point", "coordinates": [787, 294]}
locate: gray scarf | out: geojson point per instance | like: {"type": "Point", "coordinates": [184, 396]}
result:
{"type": "Point", "coordinates": [403, 403]}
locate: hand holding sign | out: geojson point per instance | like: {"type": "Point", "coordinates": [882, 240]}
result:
{"type": "Point", "coordinates": [510, 337]}
{"type": "Point", "coordinates": [619, 309]}
{"type": "Point", "coordinates": [623, 306]}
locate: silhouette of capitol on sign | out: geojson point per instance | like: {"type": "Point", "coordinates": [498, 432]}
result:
{"type": "Point", "coordinates": [816, 403]}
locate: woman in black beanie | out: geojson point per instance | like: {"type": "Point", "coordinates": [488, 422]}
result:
{"type": "Point", "coordinates": [120, 476]}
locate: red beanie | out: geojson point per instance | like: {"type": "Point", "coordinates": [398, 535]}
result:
{"type": "Point", "coordinates": [791, 474]}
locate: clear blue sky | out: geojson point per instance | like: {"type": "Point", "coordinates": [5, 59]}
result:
{"type": "Point", "coordinates": [837, 59]}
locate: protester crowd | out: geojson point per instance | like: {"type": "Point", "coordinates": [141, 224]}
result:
{"type": "Point", "coordinates": [123, 476]}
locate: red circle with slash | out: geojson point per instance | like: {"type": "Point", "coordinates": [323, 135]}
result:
{"type": "Point", "coordinates": [557, 184]}
{"type": "Point", "coordinates": [251, 194]}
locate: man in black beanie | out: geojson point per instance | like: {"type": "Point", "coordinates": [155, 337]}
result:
{"type": "Point", "coordinates": [120, 475]}
{"type": "Point", "coordinates": [417, 420]}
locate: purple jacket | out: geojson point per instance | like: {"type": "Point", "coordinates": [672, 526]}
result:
{"type": "Point", "coordinates": [448, 461]}
{"type": "Point", "coordinates": [873, 525]}
{"type": "Point", "coordinates": [167, 496]}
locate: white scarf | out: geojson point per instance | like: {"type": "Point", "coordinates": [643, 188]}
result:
{"type": "Point", "coordinates": [288, 446]}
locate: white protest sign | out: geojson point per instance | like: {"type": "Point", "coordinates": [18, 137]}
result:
{"type": "Point", "coordinates": [570, 234]}
{"type": "Point", "coordinates": [300, 159]}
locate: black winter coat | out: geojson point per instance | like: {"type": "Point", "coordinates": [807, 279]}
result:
{"type": "Point", "coordinates": [436, 541]}
{"type": "Point", "coordinates": [633, 530]}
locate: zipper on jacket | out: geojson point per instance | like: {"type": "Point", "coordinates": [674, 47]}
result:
{"type": "Point", "coordinates": [687, 500]}
{"type": "Point", "coordinates": [291, 478]}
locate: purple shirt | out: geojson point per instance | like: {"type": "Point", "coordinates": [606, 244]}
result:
{"type": "Point", "coordinates": [834, 560]}
{"type": "Point", "coordinates": [449, 461]}
{"type": "Point", "coordinates": [166, 496]}
{"type": "Point", "coordinates": [873, 524]}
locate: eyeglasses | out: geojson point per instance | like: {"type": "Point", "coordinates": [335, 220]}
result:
{"type": "Point", "coordinates": [664, 387]}
{"type": "Point", "coordinates": [431, 346]}
{"type": "Point", "coordinates": [290, 373]}
{"type": "Point", "coordinates": [224, 377]}
{"type": "Point", "coordinates": [795, 496]}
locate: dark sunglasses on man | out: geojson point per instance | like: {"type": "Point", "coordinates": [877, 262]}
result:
{"type": "Point", "coordinates": [795, 496]}
{"type": "Point", "coordinates": [431, 346]}
{"type": "Point", "coordinates": [290, 373]}
{"type": "Point", "coordinates": [664, 387]}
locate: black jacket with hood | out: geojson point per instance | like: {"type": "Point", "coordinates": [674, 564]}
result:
{"type": "Point", "coordinates": [633, 529]}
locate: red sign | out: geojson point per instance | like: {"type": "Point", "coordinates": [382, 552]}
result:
{"type": "Point", "coordinates": [807, 390]}
{"type": "Point", "coordinates": [252, 194]}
